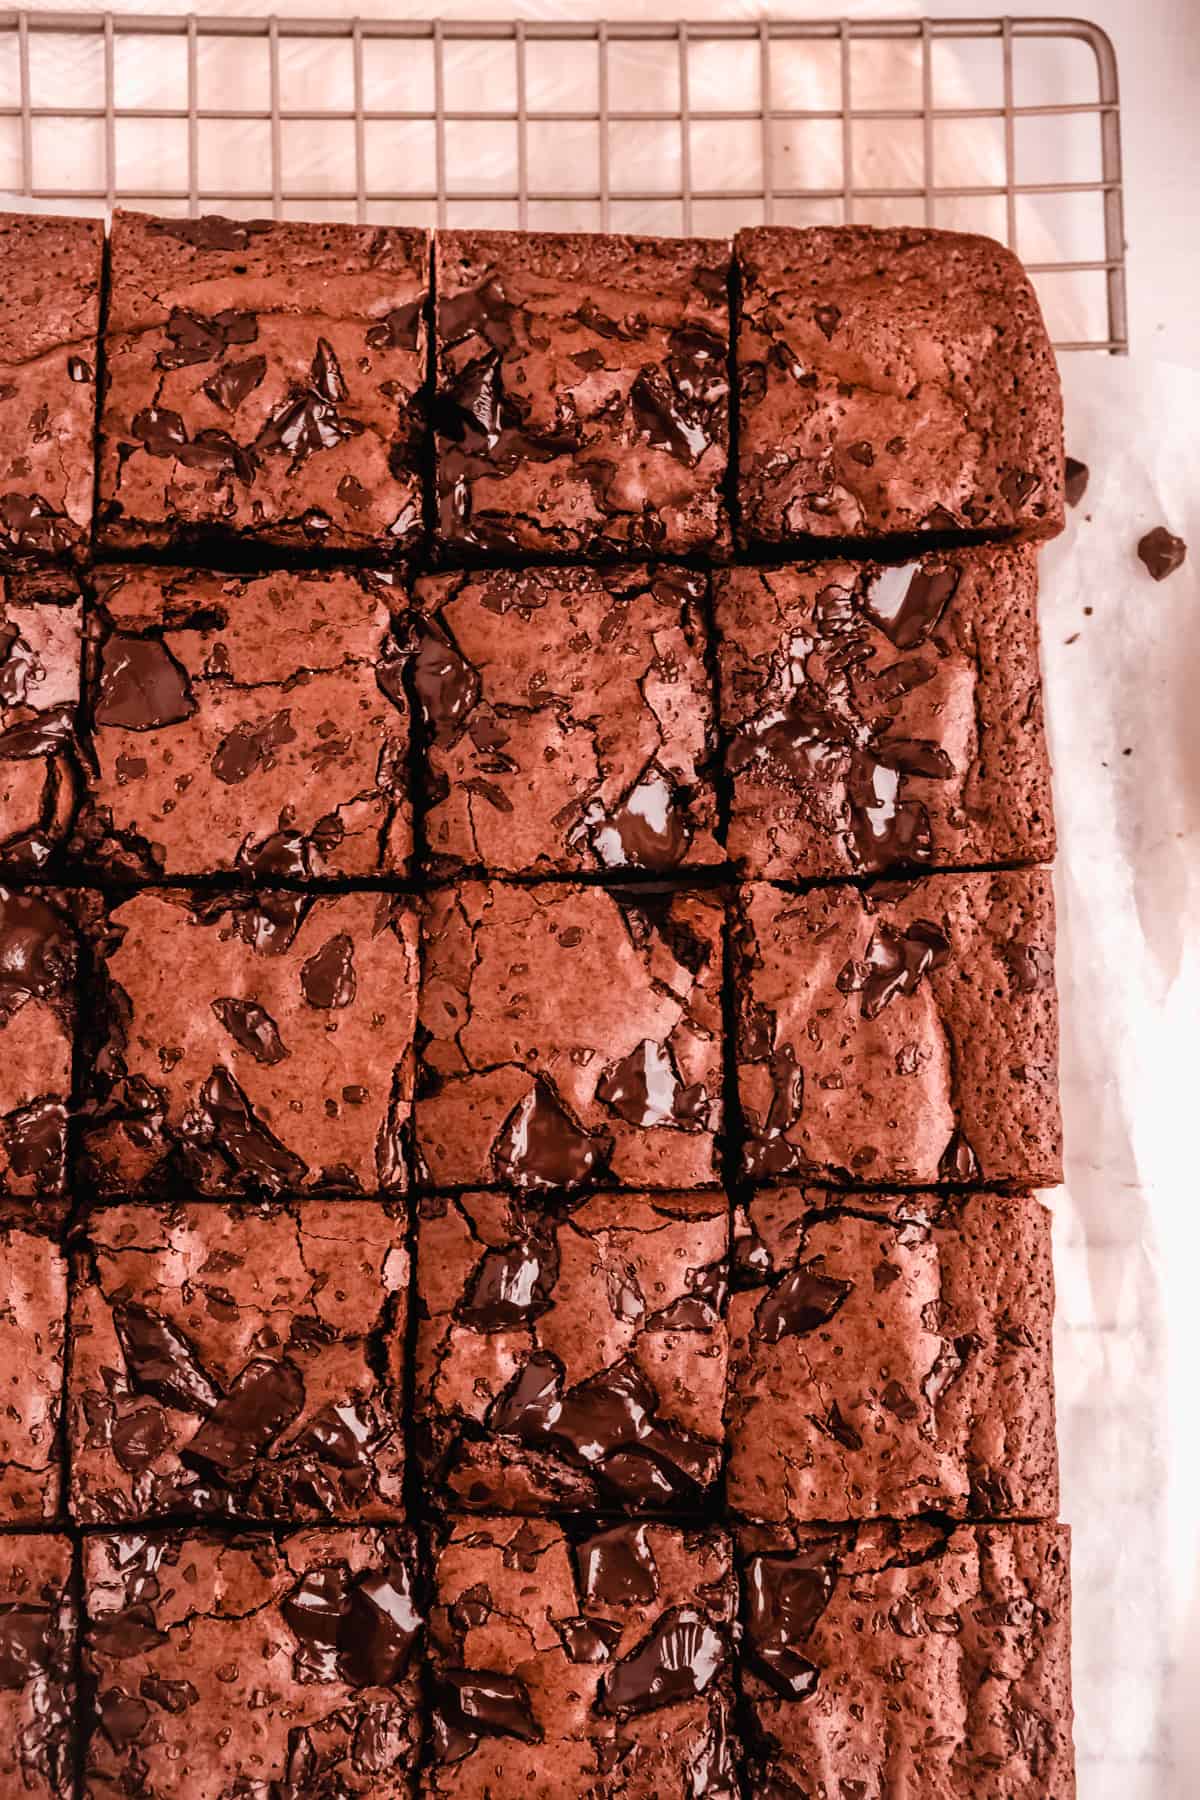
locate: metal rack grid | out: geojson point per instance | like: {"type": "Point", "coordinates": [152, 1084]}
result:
{"type": "Point", "coordinates": [760, 186]}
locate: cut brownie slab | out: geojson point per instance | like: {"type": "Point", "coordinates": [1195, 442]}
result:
{"type": "Point", "coordinates": [265, 383]}
{"type": "Point", "coordinates": [252, 1665]}
{"type": "Point", "coordinates": [567, 1034]}
{"type": "Point", "coordinates": [599, 1665]}
{"type": "Point", "coordinates": [257, 724]}
{"type": "Point", "coordinates": [901, 1034]}
{"type": "Point", "coordinates": [40, 622]}
{"type": "Point", "coordinates": [49, 321]}
{"type": "Point", "coordinates": [252, 1043]}
{"type": "Point", "coordinates": [891, 383]}
{"type": "Point", "coordinates": [33, 1328]}
{"type": "Point", "coordinates": [38, 1622]}
{"type": "Point", "coordinates": [569, 720]}
{"type": "Point", "coordinates": [572, 1359]}
{"type": "Point", "coordinates": [909, 1659]}
{"type": "Point", "coordinates": [582, 393]}
{"type": "Point", "coordinates": [239, 1361]}
{"type": "Point", "coordinates": [39, 953]}
{"type": "Point", "coordinates": [894, 1360]}
{"type": "Point", "coordinates": [884, 716]}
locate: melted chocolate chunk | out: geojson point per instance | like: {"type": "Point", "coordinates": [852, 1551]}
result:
{"type": "Point", "coordinates": [35, 1139]}
{"type": "Point", "coordinates": [198, 340]}
{"type": "Point", "coordinates": [1161, 552]}
{"type": "Point", "coordinates": [511, 1286]}
{"type": "Point", "coordinates": [211, 232]}
{"type": "Point", "coordinates": [251, 1028]}
{"type": "Point", "coordinates": [160, 1361]}
{"type": "Point", "coordinates": [678, 1661]}
{"type": "Point", "coordinates": [233, 381]}
{"type": "Point", "coordinates": [958, 1161]}
{"type": "Point", "coordinates": [261, 1403]}
{"type": "Point", "coordinates": [243, 1137]}
{"type": "Point", "coordinates": [398, 329]}
{"type": "Point", "coordinates": [786, 1597]}
{"type": "Point", "coordinates": [650, 829]}
{"type": "Point", "coordinates": [907, 602]}
{"type": "Point", "coordinates": [539, 1146]}
{"type": "Point", "coordinates": [801, 1302]}
{"type": "Point", "coordinates": [895, 964]}
{"type": "Point", "coordinates": [475, 1703]}
{"type": "Point", "coordinates": [249, 748]}
{"type": "Point", "coordinates": [327, 978]}
{"type": "Point", "coordinates": [37, 953]}
{"type": "Point", "coordinates": [617, 1568]}
{"type": "Point", "coordinates": [645, 1090]}
{"type": "Point", "coordinates": [141, 686]}
{"type": "Point", "coordinates": [445, 684]}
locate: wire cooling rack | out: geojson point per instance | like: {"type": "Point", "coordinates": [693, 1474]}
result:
{"type": "Point", "coordinates": [1010, 126]}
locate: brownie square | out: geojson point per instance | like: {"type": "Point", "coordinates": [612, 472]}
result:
{"type": "Point", "coordinates": [41, 618]}
{"type": "Point", "coordinates": [599, 1664]}
{"type": "Point", "coordinates": [38, 1623]}
{"type": "Point", "coordinates": [901, 1034]}
{"type": "Point", "coordinates": [49, 322]}
{"type": "Point", "coordinates": [569, 1033]}
{"type": "Point", "coordinates": [251, 1043]}
{"type": "Point", "coordinates": [568, 718]}
{"type": "Point", "coordinates": [39, 954]}
{"type": "Point", "coordinates": [883, 717]}
{"type": "Point", "coordinates": [33, 1326]}
{"type": "Point", "coordinates": [252, 1665]}
{"type": "Point", "coordinates": [896, 1363]}
{"type": "Point", "coordinates": [247, 723]}
{"type": "Point", "coordinates": [266, 383]}
{"type": "Point", "coordinates": [239, 1361]}
{"type": "Point", "coordinates": [572, 1359]}
{"type": "Point", "coordinates": [909, 1659]}
{"type": "Point", "coordinates": [582, 393]}
{"type": "Point", "coordinates": [892, 383]}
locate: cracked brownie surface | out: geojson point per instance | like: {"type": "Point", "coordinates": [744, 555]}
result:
{"type": "Point", "coordinates": [276, 1054]}
{"type": "Point", "coordinates": [33, 1325]}
{"type": "Point", "coordinates": [568, 718]}
{"type": "Point", "coordinates": [903, 1033]}
{"type": "Point", "coordinates": [239, 1361]}
{"type": "Point", "coordinates": [254, 724]}
{"type": "Point", "coordinates": [893, 1361]}
{"type": "Point", "coordinates": [233, 1667]}
{"type": "Point", "coordinates": [892, 382]}
{"type": "Point", "coordinates": [572, 1359]}
{"type": "Point", "coordinates": [49, 323]}
{"type": "Point", "coordinates": [265, 382]}
{"type": "Point", "coordinates": [597, 1664]}
{"type": "Point", "coordinates": [569, 1034]}
{"type": "Point", "coordinates": [883, 717]}
{"type": "Point", "coordinates": [909, 1658]}
{"type": "Point", "coordinates": [582, 393]}
{"type": "Point", "coordinates": [38, 1622]}
{"type": "Point", "coordinates": [40, 623]}
{"type": "Point", "coordinates": [39, 955]}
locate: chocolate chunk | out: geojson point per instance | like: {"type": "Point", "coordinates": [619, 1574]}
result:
{"type": "Point", "coordinates": [1161, 552]}
{"type": "Point", "coordinates": [141, 686]}
{"type": "Point", "coordinates": [681, 1657]}
{"type": "Point", "coordinates": [1075, 481]}
{"type": "Point", "coordinates": [541, 1146]}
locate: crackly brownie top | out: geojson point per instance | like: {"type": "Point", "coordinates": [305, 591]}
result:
{"type": "Point", "coordinates": [598, 1664]}
{"type": "Point", "coordinates": [246, 1665]}
{"type": "Point", "coordinates": [33, 1324]}
{"type": "Point", "coordinates": [239, 1361]}
{"type": "Point", "coordinates": [893, 382]}
{"type": "Point", "coordinates": [247, 723]}
{"type": "Point", "coordinates": [572, 1359]}
{"type": "Point", "coordinates": [904, 1033]}
{"type": "Point", "coordinates": [265, 380]}
{"type": "Point", "coordinates": [884, 716]}
{"type": "Point", "coordinates": [893, 1363]}
{"type": "Point", "coordinates": [257, 1042]}
{"type": "Point", "coordinates": [39, 948]}
{"type": "Point", "coordinates": [567, 1034]}
{"type": "Point", "coordinates": [582, 393]}
{"type": "Point", "coordinates": [40, 621]}
{"type": "Point", "coordinates": [37, 1635]}
{"type": "Point", "coordinates": [910, 1658]}
{"type": "Point", "coordinates": [569, 719]}
{"type": "Point", "coordinates": [49, 319]}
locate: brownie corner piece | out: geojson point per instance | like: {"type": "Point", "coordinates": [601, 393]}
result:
{"type": "Point", "coordinates": [572, 1359]}
{"type": "Point", "coordinates": [38, 1626]}
{"type": "Point", "coordinates": [41, 619]}
{"type": "Point", "coordinates": [266, 383]}
{"type": "Point", "coordinates": [292, 1655]}
{"type": "Point", "coordinates": [255, 724]}
{"type": "Point", "coordinates": [893, 1357]}
{"type": "Point", "coordinates": [582, 393]}
{"type": "Point", "coordinates": [39, 962]}
{"type": "Point", "coordinates": [49, 324]}
{"type": "Point", "coordinates": [891, 383]}
{"type": "Point", "coordinates": [619, 1679]}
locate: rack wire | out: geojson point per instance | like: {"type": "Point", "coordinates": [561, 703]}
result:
{"type": "Point", "coordinates": [532, 124]}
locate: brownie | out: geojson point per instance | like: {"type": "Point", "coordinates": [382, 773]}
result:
{"type": "Point", "coordinates": [38, 1622]}
{"type": "Point", "coordinates": [266, 383]}
{"type": "Point", "coordinates": [276, 1056]}
{"type": "Point", "coordinates": [254, 724]}
{"type": "Point", "coordinates": [245, 1362]}
{"type": "Point", "coordinates": [246, 1666]}
{"type": "Point", "coordinates": [39, 954]}
{"type": "Point", "coordinates": [568, 718]}
{"type": "Point", "coordinates": [569, 1033]}
{"type": "Point", "coordinates": [883, 717]}
{"type": "Point", "coordinates": [582, 393]}
{"type": "Point", "coordinates": [896, 1363]}
{"type": "Point", "coordinates": [909, 1658]}
{"type": "Point", "coordinates": [49, 322]}
{"type": "Point", "coordinates": [900, 1034]}
{"type": "Point", "coordinates": [33, 1324]}
{"type": "Point", "coordinates": [40, 623]}
{"type": "Point", "coordinates": [572, 1359]}
{"type": "Point", "coordinates": [892, 383]}
{"type": "Point", "coordinates": [598, 1665]}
